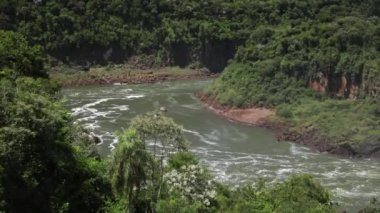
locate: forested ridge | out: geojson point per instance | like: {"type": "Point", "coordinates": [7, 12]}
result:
{"type": "Point", "coordinates": [331, 46]}
{"type": "Point", "coordinates": [181, 32]}
{"type": "Point", "coordinates": [316, 63]}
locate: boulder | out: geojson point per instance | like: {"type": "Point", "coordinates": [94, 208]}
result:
{"type": "Point", "coordinates": [95, 138]}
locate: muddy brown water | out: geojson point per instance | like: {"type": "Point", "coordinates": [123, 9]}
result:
{"type": "Point", "coordinates": [235, 154]}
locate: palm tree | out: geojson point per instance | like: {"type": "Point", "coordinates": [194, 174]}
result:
{"type": "Point", "coordinates": [134, 167]}
{"type": "Point", "coordinates": [130, 167]}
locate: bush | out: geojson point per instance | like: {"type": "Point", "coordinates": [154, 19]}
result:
{"type": "Point", "coordinates": [300, 193]}
{"type": "Point", "coordinates": [177, 160]}
{"type": "Point", "coordinates": [284, 111]}
{"type": "Point", "coordinates": [177, 204]}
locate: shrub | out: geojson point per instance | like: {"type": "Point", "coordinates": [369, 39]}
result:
{"type": "Point", "coordinates": [284, 111]}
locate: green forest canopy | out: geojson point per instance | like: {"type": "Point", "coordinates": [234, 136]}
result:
{"type": "Point", "coordinates": [210, 31]}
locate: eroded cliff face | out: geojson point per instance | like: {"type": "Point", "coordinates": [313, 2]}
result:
{"type": "Point", "coordinates": [349, 86]}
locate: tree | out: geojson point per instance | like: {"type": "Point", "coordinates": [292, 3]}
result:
{"type": "Point", "coordinates": [41, 169]}
{"type": "Point", "coordinates": [161, 130]}
{"type": "Point", "coordinates": [135, 167]}
{"type": "Point", "coordinates": [167, 137]}
{"type": "Point", "coordinates": [17, 58]}
{"type": "Point", "coordinates": [130, 168]}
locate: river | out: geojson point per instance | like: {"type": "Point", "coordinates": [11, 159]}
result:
{"type": "Point", "coordinates": [234, 153]}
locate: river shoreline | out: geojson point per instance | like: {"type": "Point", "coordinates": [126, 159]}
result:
{"type": "Point", "coordinates": [120, 76]}
{"type": "Point", "coordinates": [266, 118]}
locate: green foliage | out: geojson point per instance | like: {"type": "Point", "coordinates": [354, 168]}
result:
{"type": "Point", "coordinates": [297, 194]}
{"type": "Point", "coordinates": [37, 157]}
{"type": "Point", "coordinates": [297, 42]}
{"type": "Point", "coordinates": [308, 36]}
{"type": "Point", "coordinates": [176, 204]}
{"type": "Point", "coordinates": [137, 173]}
{"type": "Point", "coordinates": [284, 111]}
{"type": "Point", "coordinates": [116, 206]}
{"type": "Point", "coordinates": [193, 183]}
{"type": "Point", "coordinates": [258, 84]}
{"type": "Point", "coordinates": [131, 168]}
{"type": "Point", "coordinates": [177, 160]}
{"type": "Point", "coordinates": [346, 121]}
{"type": "Point", "coordinates": [301, 193]}
{"type": "Point", "coordinates": [160, 129]}
{"type": "Point", "coordinates": [17, 58]}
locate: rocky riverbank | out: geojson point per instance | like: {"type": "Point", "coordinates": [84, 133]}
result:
{"type": "Point", "coordinates": [263, 117]}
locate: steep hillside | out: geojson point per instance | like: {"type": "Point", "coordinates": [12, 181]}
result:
{"type": "Point", "coordinates": [304, 66]}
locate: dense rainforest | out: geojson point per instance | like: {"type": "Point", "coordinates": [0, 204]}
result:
{"type": "Point", "coordinates": [206, 32]}
{"type": "Point", "coordinates": [316, 63]}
